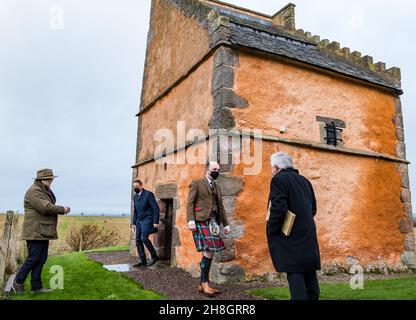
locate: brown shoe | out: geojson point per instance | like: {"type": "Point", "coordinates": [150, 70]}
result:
{"type": "Point", "coordinates": [216, 291]}
{"type": "Point", "coordinates": [205, 289]}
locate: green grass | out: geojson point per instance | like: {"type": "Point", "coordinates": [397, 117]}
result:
{"type": "Point", "coordinates": [63, 227]}
{"type": "Point", "coordinates": [108, 249]}
{"type": "Point", "coordinates": [121, 225]}
{"type": "Point", "coordinates": [389, 289]}
{"type": "Point", "coordinates": [85, 279]}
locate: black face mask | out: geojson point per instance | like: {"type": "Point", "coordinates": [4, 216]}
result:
{"type": "Point", "coordinates": [137, 190]}
{"type": "Point", "coordinates": [214, 175]}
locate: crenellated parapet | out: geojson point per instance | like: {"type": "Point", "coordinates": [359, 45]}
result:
{"type": "Point", "coordinates": [365, 61]}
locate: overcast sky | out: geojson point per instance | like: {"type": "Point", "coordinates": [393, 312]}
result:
{"type": "Point", "coordinates": [70, 79]}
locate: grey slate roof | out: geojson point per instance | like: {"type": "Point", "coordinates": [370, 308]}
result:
{"type": "Point", "coordinates": [277, 41]}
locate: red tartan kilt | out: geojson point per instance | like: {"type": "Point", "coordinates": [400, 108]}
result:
{"type": "Point", "coordinates": [205, 240]}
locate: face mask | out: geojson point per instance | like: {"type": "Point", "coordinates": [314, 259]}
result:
{"type": "Point", "coordinates": [215, 175]}
{"type": "Point", "coordinates": [137, 190]}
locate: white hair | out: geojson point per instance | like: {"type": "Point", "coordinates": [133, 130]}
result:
{"type": "Point", "coordinates": [281, 160]}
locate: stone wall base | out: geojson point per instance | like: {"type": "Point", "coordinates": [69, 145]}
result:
{"type": "Point", "coordinates": [227, 272]}
{"type": "Point", "coordinates": [375, 268]}
{"type": "Point", "coordinates": [232, 272]}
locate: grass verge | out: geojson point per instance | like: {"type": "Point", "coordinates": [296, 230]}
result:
{"type": "Point", "coordinates": [388, 289]}
{"type": "Point", "coordinates": [85, 279]}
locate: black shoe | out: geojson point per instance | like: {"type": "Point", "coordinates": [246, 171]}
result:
{"type": "Point", "coordinates": [18, 287]}
{"type": "Point", "coordinates": [152, 261]}
{"type": "Point", "coordinates": [141, 263]}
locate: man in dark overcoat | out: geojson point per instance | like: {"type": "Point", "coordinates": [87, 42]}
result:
{"type": "Point", "coordinates": [297, 254]}
{"type": "Point", "coordinates": [145, 222]}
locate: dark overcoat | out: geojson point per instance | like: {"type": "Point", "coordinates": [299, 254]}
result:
{"type": "Point", "coordinates": [300, 251]}
{"type": "Point", "coordinates": [146, 212]}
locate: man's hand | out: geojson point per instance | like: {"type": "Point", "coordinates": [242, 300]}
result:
{"type": "Point", "coordinates": [133, 228]}
{"type": "Point", "coordinates": [192, 225]}
{"type": "Point", "coordinates": [227, 229]}
{"type": "Point", "coordinates": [155, 225]}
{"type": "Point", "coordinates": [67, 210]}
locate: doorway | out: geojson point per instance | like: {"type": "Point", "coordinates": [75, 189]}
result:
{"type": "Point", "coordinates": [163, 239]}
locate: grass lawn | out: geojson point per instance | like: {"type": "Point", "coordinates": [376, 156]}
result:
{"type": "Point", "coordinates": [85, 279]}
{"type": "Point", "coordinates": [389, 289]}
{"type": "Point", "coordinates": [121, 225]}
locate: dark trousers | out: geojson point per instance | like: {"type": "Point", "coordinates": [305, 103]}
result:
{"type": "Point", "coordinates": [143, 238]}
{"type": "Point", "coordinates": [37, 256]}
{"type": "Point", "coordinates": [303, 286]}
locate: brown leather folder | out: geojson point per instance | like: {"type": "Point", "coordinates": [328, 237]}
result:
{"type": "Point", "coordinates": [287, 223]}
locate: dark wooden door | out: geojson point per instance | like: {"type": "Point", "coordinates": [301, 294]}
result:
{"type": "Point", "coordinates": [168, 229]}
{"type": "Point", "coordinates": [163, 239]}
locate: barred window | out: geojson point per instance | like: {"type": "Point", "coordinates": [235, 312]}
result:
{"type": "Point", "coordinates": [333, 134]}
{"type": "Point", "coordinates": [331, 130]}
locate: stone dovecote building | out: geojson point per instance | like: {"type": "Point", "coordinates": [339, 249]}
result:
{"type": "Point", "coordinates": [213, 65]}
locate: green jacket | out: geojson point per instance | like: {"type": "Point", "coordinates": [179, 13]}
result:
{"type": "Point", "coordinates": [41, 214]}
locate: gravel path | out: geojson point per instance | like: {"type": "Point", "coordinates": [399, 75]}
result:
{"type": "Point", "coordinates": [177, 284]}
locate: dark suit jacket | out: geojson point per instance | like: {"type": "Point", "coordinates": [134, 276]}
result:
{"type": "Point", "coordinates": [300, 251]}
{"type": "Point", "coordinates": [200, 202]}
{"type": "Point", "coordinates": [146, 209]}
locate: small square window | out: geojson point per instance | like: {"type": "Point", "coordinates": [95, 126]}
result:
{"type": "Point", "coordinates": [333, 134]}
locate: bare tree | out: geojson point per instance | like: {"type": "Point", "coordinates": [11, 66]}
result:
{"type": "Point", "coordinates": [91, 236]}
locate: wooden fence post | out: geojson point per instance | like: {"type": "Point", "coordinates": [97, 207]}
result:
{"type": "Point", "coordinates": [11, 262]}
{"type": "Point", "coordinates": [22, 250]}
{"type": "Point", "coordinates": [5, 247]}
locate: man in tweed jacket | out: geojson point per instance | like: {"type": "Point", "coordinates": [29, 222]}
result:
{"type": "Point", "coordinates": [205, 212]}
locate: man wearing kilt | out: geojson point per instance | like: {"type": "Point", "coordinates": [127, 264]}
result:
{"type": "Point", "coordinates": [206, 212]}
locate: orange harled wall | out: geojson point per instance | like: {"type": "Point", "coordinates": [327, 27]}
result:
{"type": "Point", "coordinates": [358, 197]}
{"type": "Point", "coordinates": [358, 208]}
{"type": "Point", "coordinates": [292, 96]}
{"type": "Point", "coordinates": [359, 201]}
{"type": "Point", "coordinates": [169, 53]}
{"type": "Point", "coordinates": [191, 101]}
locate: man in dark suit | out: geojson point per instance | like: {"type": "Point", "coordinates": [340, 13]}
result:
{"type": "Point", "coordinates": [145, 222]}
{"type": "Point", "coordinates": [297, 254]}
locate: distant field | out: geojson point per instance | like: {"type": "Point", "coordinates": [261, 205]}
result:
{"type": "Point", "coordinates": [66, 223]}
